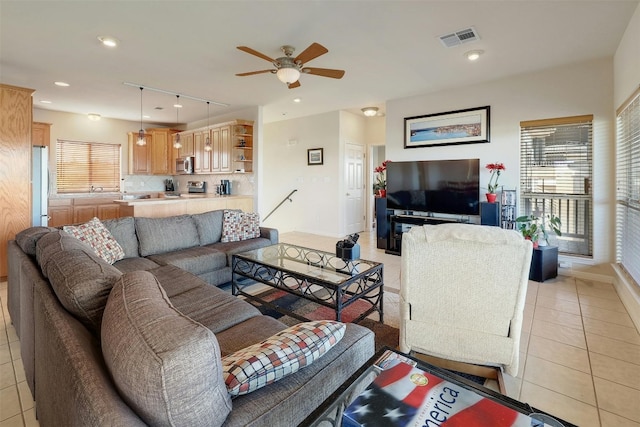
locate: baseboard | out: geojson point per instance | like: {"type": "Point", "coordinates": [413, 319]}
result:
{"type": "Point", "coordinates": [629, 293]}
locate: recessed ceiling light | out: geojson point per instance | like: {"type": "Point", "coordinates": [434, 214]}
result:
{"type": "Point", "coordinates": [108, 41]}
{"type": "Point", "coordinates": [146, 117]}
{"type": "Point", "coordinates": [61, 84]}
{"type": "Point", "coordinates": [177, 105]}
{"type": "Point", "coordinates": [44, 101]}
{"type": "Point", "coordinates": [94, 117]}
{"type": "Point", "coordinates": [297, 100]}
{"type": "Point", "coordinates": [473, 55]}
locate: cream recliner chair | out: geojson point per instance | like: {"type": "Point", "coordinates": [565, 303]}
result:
{"type": "Point", "coordinates": [462, 293]}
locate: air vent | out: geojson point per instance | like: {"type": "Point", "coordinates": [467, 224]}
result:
{"type": "Point", "coordinates": [159, 108]}
{"type": "Point", "coordinates": [460, 37]}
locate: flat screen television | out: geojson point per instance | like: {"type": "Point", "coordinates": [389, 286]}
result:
{"type": "Point", "coordinates": [437, 186]}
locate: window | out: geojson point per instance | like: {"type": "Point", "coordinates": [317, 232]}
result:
{"type": "Point", "coordinates": [628, 186]}
{"type": "Point", "coordinates": [84, 167]}
{"type": "Point", "coordinates": [555, 177]}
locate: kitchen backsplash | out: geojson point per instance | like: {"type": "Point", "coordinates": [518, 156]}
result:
{"type": "Point", "coordinates": [242, 184]}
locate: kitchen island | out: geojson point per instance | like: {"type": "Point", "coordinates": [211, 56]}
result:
{"type": "Point", "coordinates": [183, 204]}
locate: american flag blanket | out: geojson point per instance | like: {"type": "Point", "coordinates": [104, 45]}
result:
{"type": "Point", "coordinates": [403, 396]}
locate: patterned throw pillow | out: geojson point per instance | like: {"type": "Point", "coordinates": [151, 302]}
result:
{"type": "Point", "coordinates": [96, 235]}
{"type": "Point", "coordinates": [282, 354]}
{"type": "Point", "coordinates": [238, 225]}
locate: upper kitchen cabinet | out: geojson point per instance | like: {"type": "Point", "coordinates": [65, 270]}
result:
{"type": "Point", "coordinates": [139, 155]}
{"type": "Point", "coordinates": [187, 150]}
{"type": "Point", "coordinates": [155, 157]}
{"type": "Point", "coordinates": [221, 152]}
{"type": "Point", "coordinates": [202, 154]}
{"type": "Point", "coordinates": [15, 164]}
{"type": "Point", "coordinates": [40, 134]}
{"type": "Point", "coordinates": [162, 161]}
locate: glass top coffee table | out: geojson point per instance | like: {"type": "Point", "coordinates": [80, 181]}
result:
{"type": "Point", "coordinates": [311, 274]}
{"type": "Point", "coordinates": [390, 402]}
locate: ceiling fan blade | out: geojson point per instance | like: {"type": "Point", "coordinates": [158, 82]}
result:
{"type": "Point", "coordinates": [256, 53]}
{"type": "Point", "coordinates": [294, 84]}
{"type": "Point", "coordinates": [310, 53]}
{"type": "Point", "coordinates": [324, 72]}
{"type": "Point", "coordinates": [251, 73]}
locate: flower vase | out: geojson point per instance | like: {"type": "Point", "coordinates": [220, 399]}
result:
{"type": "Point", "coordinates": [382, 192]}
{"type": "Point", "coordinates": [491, 197]}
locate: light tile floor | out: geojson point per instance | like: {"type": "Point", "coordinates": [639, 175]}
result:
{"type": "Point", "coordinates": [580, 352]}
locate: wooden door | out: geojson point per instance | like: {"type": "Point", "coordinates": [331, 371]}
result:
{"type": "Point", "coordinates": [139, 155]}
{"type": "Point", "coordinates": [225, 149]}
{"type": "Point", "coordinates": [354, 167]}
{"type": "Point", "coordinates": [160, 153]}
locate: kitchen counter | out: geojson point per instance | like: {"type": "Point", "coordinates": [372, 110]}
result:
{"type": "Point", "coordinates": [184, 204]}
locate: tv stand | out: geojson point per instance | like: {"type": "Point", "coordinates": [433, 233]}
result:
{"type": "Point", "coordinates": [396, 222]}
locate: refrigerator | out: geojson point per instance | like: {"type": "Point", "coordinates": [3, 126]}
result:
{"type": "Point", "coordinates": [39, 186]}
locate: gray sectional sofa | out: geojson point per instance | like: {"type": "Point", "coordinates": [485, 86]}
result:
{"type": "Point", "coordinates": [58, 291]}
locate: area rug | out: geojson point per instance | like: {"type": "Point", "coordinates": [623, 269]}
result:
{"type": "Point", "coordinates": [385, 335]}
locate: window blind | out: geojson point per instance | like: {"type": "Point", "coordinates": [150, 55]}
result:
{"type": "Point", "coordinates": [628, 186]}
{"type": "Point", "coordinates": [86, 166]}
{"type": "Point", "coordinates": [555, 177]}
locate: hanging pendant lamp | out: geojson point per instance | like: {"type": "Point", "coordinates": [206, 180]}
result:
{"type": "Point", "coordinates": [207, 142]}
{"type": "Point", "coordinates": [141, 140]}
{"type": "Point", "coordinates": [176, 141]}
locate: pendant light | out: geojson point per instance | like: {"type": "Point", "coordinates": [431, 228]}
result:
{"type": "Point", "coordinates": [141, 140]}
{"type": "Point", "coordinates": [207, 143]}
{"type": "Point", "coordinates": [176, 141]}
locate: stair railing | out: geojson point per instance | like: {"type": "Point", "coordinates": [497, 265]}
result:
{"type": "Point", "coordinates": [288, 197]}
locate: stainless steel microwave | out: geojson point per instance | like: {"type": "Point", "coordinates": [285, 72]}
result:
{"type": "Point", "coordinates": [184, 165]}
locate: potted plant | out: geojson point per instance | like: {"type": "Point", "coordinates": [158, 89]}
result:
{"type": "Point", "coordinates": [495, 169]}
{"type": "Point", "coordinates": [534, 227]}
{"type": "Point", "coordinates": [380, 185]}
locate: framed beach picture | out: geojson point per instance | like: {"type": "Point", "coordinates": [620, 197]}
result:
{"type": "Point", "coordinates": [468, 126]}
{"type": "Point", "coordinates": [314, 156]}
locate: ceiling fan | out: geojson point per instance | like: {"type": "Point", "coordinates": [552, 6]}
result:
{"type": "Point", "coordinates": [288, 69]}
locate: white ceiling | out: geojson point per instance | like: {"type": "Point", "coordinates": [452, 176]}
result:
{"type": "Point", "coordinates": [389, 49]}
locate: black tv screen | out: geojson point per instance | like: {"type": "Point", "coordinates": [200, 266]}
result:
{"type": "Point", "coordinates": [438, 186]}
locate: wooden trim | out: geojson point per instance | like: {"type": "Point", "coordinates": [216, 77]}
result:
{"type": "Point", "coordinates": [628, 101]}
{"type": "Point", "coordinates": [557, 121]}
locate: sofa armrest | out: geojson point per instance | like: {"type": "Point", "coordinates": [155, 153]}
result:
{"type": "Point", "coordinates": [269, 233]}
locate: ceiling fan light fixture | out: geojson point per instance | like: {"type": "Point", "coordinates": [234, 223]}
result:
{"type": "Point", "coordinates": [288, 75]}
{"type": "Point", "coordinates": [370, 111]}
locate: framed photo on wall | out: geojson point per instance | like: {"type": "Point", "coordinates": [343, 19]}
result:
{"type": "Point", "coordinates": [470, 126]}
{"type": "Point", "coordinates": [315, 156]}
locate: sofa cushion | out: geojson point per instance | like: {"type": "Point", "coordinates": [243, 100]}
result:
{"type": "Point", "coordinates": [209, 225]}
{"type": "Point", "coordinates": [231, 248]}
{"type": "Point", "coordinates": [96, 235]}
{"type": "Point", "coordinates": [196, 260]}
{"type": "Point", "coordinates": [282, 354]}
{"type": "Point", "coordinates": [166, 366]}
{"type": "Point", "coordinates": [134, 264]}
{"type": "Point", "coordinates": [28, 238]}
{"type": "Point", "coordinates": [81, 280]}
{"type": "Point", "coordinates": [237, 225]}
{"type": "Point", "coordinates": [162, 235]}
{"type": "Point", "coordinates": [124, 231]}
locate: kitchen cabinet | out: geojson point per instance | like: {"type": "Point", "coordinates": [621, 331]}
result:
{"type": "Point", "coordinates": [15, 163]}
{"type": "Point", "coordinates": [187, 150]}
{"type": "Point", "coordinates": [221, 153]}
{"type": "Point", "coordinates": [67, 211]}
{"type": "Point", "coordinates": [139, 155]}
{"type": "Point", "coordinates": [154, 158]}
{"type": "Point", "coordinates": [40, 134]}
{"type": "Point", "coordinates": [60, 212]}
{"type": "Point", "coordinates": [202, 156]}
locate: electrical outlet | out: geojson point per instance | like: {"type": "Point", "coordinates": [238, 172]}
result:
{"type": "Point", "coordinates": [564, 264]}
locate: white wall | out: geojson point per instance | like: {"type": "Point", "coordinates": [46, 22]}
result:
{"type": "Point", "coordinates": [315, 205]}
{"type": "Point", "coordinates": [626, 62]}
{"type": "Point", "coordinates": [585, 88]}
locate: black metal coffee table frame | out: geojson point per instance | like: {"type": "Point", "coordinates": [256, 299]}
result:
{"type": "Point", "coordinates": [311, 274]}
